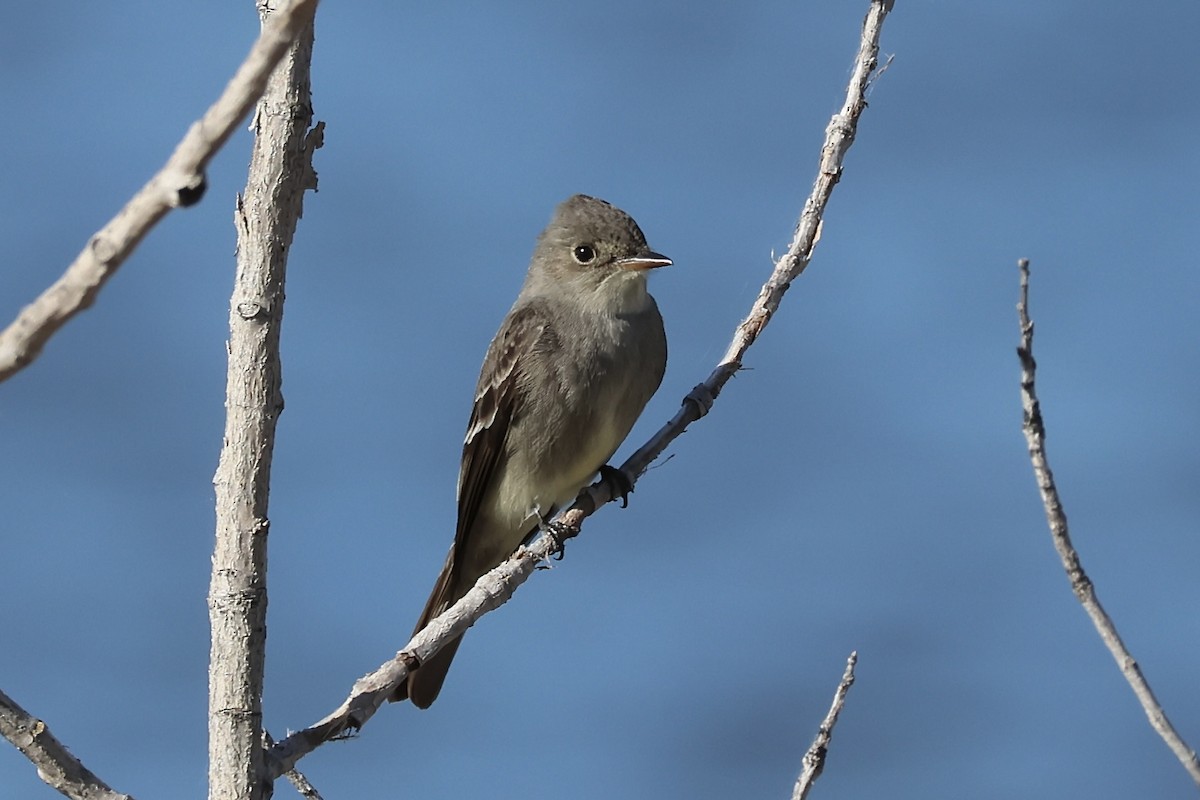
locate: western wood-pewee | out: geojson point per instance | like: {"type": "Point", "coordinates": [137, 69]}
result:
{"type": "Point", "coordinates": [570, 370]}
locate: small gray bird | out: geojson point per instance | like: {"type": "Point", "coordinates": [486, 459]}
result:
{"type": "Point", "coordinates": [570, 370]}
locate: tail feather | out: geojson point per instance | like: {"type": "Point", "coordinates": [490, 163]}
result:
{"type": "Point", "coordinates": [423, 685]}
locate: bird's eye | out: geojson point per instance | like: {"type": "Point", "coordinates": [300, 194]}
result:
{"type": "Point", "coordinates": [584, 253]}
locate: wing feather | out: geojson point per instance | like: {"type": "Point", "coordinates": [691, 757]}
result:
{"type": "Point", "coordinates": [498, 400]}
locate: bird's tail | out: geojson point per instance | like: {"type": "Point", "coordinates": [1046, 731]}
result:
{"type": "Point", "coordinates": [423, 685]}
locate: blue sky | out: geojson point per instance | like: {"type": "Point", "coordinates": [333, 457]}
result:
{"type": "Point", "coordinates": [864, 485]}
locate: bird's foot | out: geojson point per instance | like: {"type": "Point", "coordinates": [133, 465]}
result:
{"type": "Point", "coordinates": [558, 533]}
{"type": "Point", "coordinates": [618, 482]}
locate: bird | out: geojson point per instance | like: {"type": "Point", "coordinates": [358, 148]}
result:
{"type": "Point", "coordinates": [575, 361]}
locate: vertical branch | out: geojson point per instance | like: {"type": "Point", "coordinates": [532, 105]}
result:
{"type": "Point", "coordinates": [266, 218]}
{"type": "Point", "coordinates": [1035, 437]}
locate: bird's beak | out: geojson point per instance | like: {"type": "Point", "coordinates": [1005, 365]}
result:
{"type": "Point", "coordinates": [647, 259]}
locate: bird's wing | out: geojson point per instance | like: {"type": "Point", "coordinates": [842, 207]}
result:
{"type": "Point", "coordinates": [498, 400]}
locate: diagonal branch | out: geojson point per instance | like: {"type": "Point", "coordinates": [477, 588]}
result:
{"type": "Point", "coordinates": [839, 135]}
{"type": "Point", "coordinates": [179, 183]}
{"type": "Point", "coordinates": [373, 690]}
{"type": "Point", "coordinates": [298, 780]}
{"type": "Point", "coordinates": [493, 589]}
{"type": "Point", "coordinates": [1035, 436]}
{"type": "Point", "coordinates": [814, 759]}
{"type": "Point", "coordinates": [56, 765]}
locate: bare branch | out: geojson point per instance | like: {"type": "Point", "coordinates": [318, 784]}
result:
{"type": "Point", "coordinates": [295, 777]}
{"type": "Point", "coordinates": [1035, 436]}
{"type": "Point", "coordinates": [303, 785]}
{"type": "Point", "coordinates": [493, 589]}
{"type": "Point", "coordinates": [373, 690]}
{"type": "Point", "coordinates": [839, 135]}
{"type": "Point", "coordinates": [55, 764]}
{"type": "Point", "coordinates": [814, 759]}
{"type": "Point", "coordinates": [266, 217]}
{"type": "Point", "coordinates": [179, 183]}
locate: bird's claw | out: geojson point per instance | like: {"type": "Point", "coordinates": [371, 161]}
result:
{"type": "Point", "coordinates": [558, 532]}
{"type": "Point", "coordinates": [618, 482]}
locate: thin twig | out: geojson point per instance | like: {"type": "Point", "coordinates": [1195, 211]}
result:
{"type": "Point", "coordinates": [493, 589]}
{"type": "Point", "coordinates": [179, 183]}
{"type": "Point", "coordinates": [294, 776]}
{"type": "Point", "coordinates": [56, 765]}
{"type": "Point", "coordinates": [302, 785]}
{"type": "Point", "coordinates": [1035, 436]}
{"type": "Point", "coordinates": [814, 759]}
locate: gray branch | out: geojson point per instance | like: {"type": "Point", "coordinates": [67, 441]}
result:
{"type": "Point", "coordinates": [179, 183]}
{"type": "Point", "coordinates": [298, 780]}
{"type": "Point", "coordinates": [494, 589]}
{"type": "Point", "coordinates": [814, 759]}
{"type": "Point", "coordinates": [265, 218]}
{"type": "Point", "coordinates": [839, 135]}
{"type": "Point", "coordinates": [1035, 436]}
{"type": "Point", "coordinates": [56, 765]}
